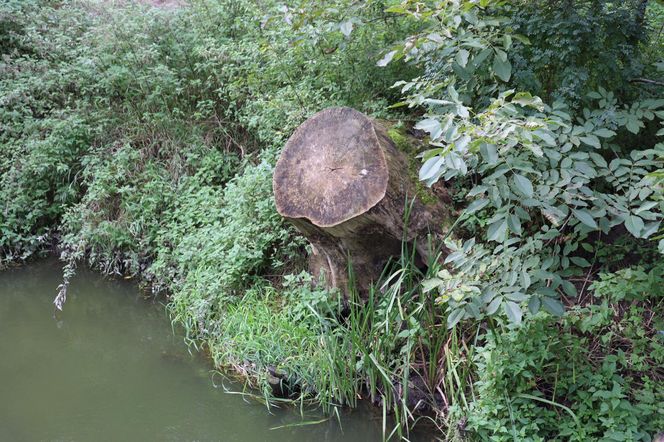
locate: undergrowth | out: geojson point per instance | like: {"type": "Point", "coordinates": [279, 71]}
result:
{"type": "Point", "coordinates": [142, 142]}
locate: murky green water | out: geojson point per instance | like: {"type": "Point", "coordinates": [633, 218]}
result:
{"type": "Point", "coordinates": [109, 368]}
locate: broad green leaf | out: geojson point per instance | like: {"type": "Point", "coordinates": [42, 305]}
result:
{"type": "Point", "coordinates": [455, 256]}
{"type": "Point", "coordinates": [581, 262]}
{"type": "Point", "coordinates": [522, 38]}
{"type": "Point", "coordinates": [454, 317]}
{"type": "Point", "coordinates": [462, 57]}
{"type": "Point", "coordinates": [591, 140]}
{"type": "Point", "coordinates": [476, 205]}
{"type": "Point", "coordinates": [545, 136]}
{"type": "Point", "coordinates": [502, 55]}
{"type": "Point", "coordinates": [646, 206]}
{"type": "Point", "coordinates": [489, 153]}
{"type": "Point", "coordinates": [633, 125]}
{"type": "Point", "coordinates": [525, 279]}
{"type": "Point", "coordinates": [598, 159]}
{"type": "Point", "coordinates": [346, 27]}
{"type": "Point", "coordinates": [553, 306]}
{"type": "Point", "coordinates": [513, 312]}
{"type": "Point", "coordinates": [430, 284]}
{"type": "Point", "coordinates": [604, 133]}
{"type": "Point", "coordinates": [473, 311]}
{"type": "Point", "coordinates": [503, 69]}
{"type": "Point", "coordinates": [514, 224]}
{"type": "Point", "coordinates": [477, 190]}
{"type": "Point", "coordinates": [526, 99]}
{"type": "Point", "coordinates": [494, 305]}
{"type": "Point", "coordinates": [430, 125]}
{"type": "Point", "coordinates": [454, 95]}
{"type": "Point", "coordinates": [387, 58]}
{"type": "Point", "coordinates": [569, 288]}
{"type": "Point", "coordinates": [497, 230]}
{"type": "Point", "coordinates": [634, 225]}
{"type": "Point", "coordinates": [534, 304]}
{"type": "Point", "coordinates": [524, 185]}
{"type": "Point", "coordinates": [586, 218]}
{"type": "Point", "coordinates": [516, 297]}
{"type": "Point", "coordinates": [650, 229]}
{"type": "Point", "coordinates": [431, 167]}
{"type": "Point", "coordinates": [480, 58]}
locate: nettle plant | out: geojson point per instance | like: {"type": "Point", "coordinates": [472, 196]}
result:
{"type": "Point", "coordinates": [549, 184]}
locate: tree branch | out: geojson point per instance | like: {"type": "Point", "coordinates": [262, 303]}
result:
{"type": "Point", "coordinates": [647, 81]}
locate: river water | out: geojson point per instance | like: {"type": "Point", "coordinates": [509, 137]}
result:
{"type": "Point", "coordinates": [110, 368]}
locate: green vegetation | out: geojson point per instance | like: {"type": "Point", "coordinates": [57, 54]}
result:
{"type": "Point", "coordinates": [142, 141]}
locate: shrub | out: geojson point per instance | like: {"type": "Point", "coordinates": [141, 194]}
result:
{"type": "Point", "coordinates": [592, 376]}
{"type": "Point", "coordinates": [239, 238]}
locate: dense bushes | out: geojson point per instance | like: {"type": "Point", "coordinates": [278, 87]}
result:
{"type": "Point", "coordinates": [596, 380]}
{"type": "Point", "coordinates": [212, 253]}
{"type": "Point", "coordinates": [43, 135]}
{"type": "Point", "coordinates": [142, 142]}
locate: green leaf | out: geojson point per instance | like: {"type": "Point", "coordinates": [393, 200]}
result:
{"type": "Point", "coordinates": [633, 125]}
{"type": "Point", "coordinates": [501, 54]}
{"type": "Point", "coordinates": [545, 136]}
{"type": "Point", "coordinates": [646, 206]}
{"type": "Point", "coordinates": [462, 57]}
{"type": "Point", "coordinates": [553, 306]}
{"type": "Point", "coordinates": [586, 218]}
{"type": "Point", "coordinates": [430, 125]}
{"type": "Point", "coordinates": [387, 58]}
{"type": "Point", "coordinates": [431, 167]}
{"type": "Point", "coordinates": [522, 38]}
{"type": "Point", "coordinates": [494, 305]}
{"type": "Point", "coordinates": [454, 317]}
{"type": "Point", "coordinates": [489, 153]}
{"type": "Point", "coordinates": [503, 69]}
{"type": "Point", "coordinates": [397, 9]}
{"type": "Point", "coordinates": [634, 225]}
{"type": "Point", "coordinates": [534, 304]}
{"type": "Point", "coordinates": [514, 224]}
{"type": "Point", "coordinates": [513, 311]}
{"type": "Point", "coordinates": [604, 133]}
{"type": "Point", "coordinates": [526, 99]}
{"type": "Point", "coordinates": [516, 297]}
{"type": "Point", "coordinates": [476, 205]}
{"type": "Point", "coordinates": [477, 190]}
{"type": "Point", "coordinates": [591, 140]}
{"type": "Point", "coordinates": [430, 284]}
{"type": "Point", "coordinates": [581, 262]}
{"type": "Point", "coordinates": [346, 27]}
{"type": "Point", "coordinates": [569, 288]}
{"type": "Point", "coordinates": [524, 185]}
{"type": "Point", "coordinates": [497, 230]}
{"type": "Point", "coordinates": [598, 159]}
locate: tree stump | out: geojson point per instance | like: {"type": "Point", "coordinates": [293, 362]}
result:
{"type": "Point", "coordinates": [343, 184]}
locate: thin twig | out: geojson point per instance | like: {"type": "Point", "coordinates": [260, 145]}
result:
{"type": "Point", "coordinates": [647, 81]}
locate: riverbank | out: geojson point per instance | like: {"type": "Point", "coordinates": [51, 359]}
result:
{"type": "Point", "coordinates": [142, 141]}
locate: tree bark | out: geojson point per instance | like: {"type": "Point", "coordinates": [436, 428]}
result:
{"type": "Point", "coordinates": [343, 184]}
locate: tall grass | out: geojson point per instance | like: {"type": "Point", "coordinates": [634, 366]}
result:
{"type": "Point", "coordinates": [392, 347]}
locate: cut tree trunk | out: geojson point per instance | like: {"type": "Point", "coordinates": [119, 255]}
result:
{"type": "Point", "coordinates": [343, 184]}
